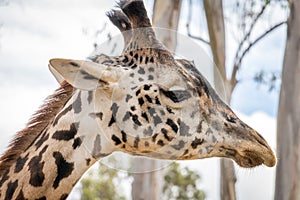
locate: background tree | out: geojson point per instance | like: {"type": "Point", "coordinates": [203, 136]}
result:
{"type": "Point", "coordinates": [102, 183]}
{"type": "Point", "coordinates": [248, 18]}
{"type": "Point", "coordinates": [181, 183]}
{"type": "Point", "coordinates": [288, 128]}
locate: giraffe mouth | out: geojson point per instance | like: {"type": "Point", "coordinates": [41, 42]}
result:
{"type": "Point", "coordinates": [250, 159]}
{"type": "Point", "coordinates": [253, 159]}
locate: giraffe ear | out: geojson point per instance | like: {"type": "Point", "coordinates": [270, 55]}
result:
{"type": "Point", "coordinates": [84, 75]}
{"type": "Point", "coordinates": [56, 75]}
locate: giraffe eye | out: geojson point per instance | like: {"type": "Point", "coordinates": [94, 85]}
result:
{"type": "Point", "coordinates": [229, 117]}
{"type": "Point", "coordinates": [176, 96]}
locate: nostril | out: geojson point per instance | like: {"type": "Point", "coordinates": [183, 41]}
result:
{"type": "Point", "coordinates": [229, 118]}
{"type": "Point", "coordinates": [261, 140]}
{"type": "Point", "coordinates": [260, 136]}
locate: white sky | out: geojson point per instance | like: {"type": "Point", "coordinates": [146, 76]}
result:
{"type": "Point", "coordinates": [35, 31]}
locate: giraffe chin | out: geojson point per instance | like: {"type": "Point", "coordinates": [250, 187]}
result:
{"type": "Point", "coordinates": [251, 159]}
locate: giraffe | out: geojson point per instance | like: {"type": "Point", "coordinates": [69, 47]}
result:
{"type": "Point", "coordinates": [143, 102]}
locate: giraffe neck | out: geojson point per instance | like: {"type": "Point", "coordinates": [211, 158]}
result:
{"type": "Point", "coordinates": [53, 163]}
{"type": "Point", "coordinates": [142, 38]}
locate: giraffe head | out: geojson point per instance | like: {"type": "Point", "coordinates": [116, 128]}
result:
{"type": "Point", "coordinates": [160, 106]}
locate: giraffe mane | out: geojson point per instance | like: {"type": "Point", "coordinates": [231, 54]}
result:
{"type": "Point", "coordinates": [38, 122]}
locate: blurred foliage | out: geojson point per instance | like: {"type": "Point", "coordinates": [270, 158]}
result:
{"type": "Point", "coordinates": [181, 183]}
{"type": "Point", "coordinates": [102, 183]}
{"type": "Point", "coordinates": [272, 80]}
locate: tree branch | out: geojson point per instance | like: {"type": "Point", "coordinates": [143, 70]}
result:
{"type": "Point", "coordinates": [196, 37]}
{"type": "Point", "coordinates": [188, 25]}
{"type": "Point", "coordinates": [247, 35]}
{"type": "Point", "coordinates": [258, 39]}
{"type": "Point", "coordinates": [238, 61]}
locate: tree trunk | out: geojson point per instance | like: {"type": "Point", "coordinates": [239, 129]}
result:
{"type": "Point", "coordinates": [216, 28]}
{"type": "Point", "coordinates": [166, 15]}
{"type": "Point", "coordinates": [288, 126]}
{"type": "Point", "coordinates": [148, 185]}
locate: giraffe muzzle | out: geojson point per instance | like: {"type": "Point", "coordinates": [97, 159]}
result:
{"type": "Point", "coordinates": [255, 151]}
